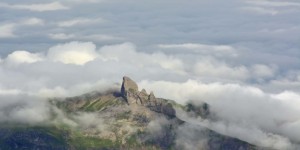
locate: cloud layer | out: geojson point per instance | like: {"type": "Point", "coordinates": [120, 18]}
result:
{"type": "Point", "coordinates": [241, 57]}
{"type": "Point", "coordinates": [76, 67]}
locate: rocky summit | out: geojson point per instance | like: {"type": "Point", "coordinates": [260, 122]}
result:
{"type": "Point", "coordinates": [131, 93]}
{"type": "Point", "coordinates": [128, 87]}
{"type": "Point", "coordinates": [118, 120]}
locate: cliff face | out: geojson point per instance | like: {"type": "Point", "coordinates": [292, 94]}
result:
{"type": "Point", "coordinates": [133, 96]}
{"type": "Point", "coordinates": [129, 90]}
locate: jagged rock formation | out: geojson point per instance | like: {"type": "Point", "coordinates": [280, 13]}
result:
{"type": "Point", "coordinates": [133, 96]}
{"type": "Point", "coordinates": [152, 100]}
{"type": "Point", "coordinates": [128, 86]}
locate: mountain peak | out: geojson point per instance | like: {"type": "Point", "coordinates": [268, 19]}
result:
{"type": "Point", "coordinates": [133, 117]}
{"type": "Point", "coordinates": [128, 86]}
{"type": "Point", "coordinates": [133, 96]}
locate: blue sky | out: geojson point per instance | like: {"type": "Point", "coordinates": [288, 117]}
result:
{"type": "Point", "coordinates": [248, 48]}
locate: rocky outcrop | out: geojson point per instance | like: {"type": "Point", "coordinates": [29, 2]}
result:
{"type": "Point", "coordinates": [130, 91]}
{"type": "Point", "coordinates": [133, 96]}
{"type": "Point", "coordinates": [143, 96]}
{"type": "Point", "coordinates": [128, 86]}
{"type": "Point", "coordinates": [201, 110]}
{"type": "Point", "coordinates": [168, 110]}
{"type": "Point", "coordinates": [152, 100]}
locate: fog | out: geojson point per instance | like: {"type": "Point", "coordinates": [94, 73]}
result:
{"type": "Point", "coordinates": [240, 57]}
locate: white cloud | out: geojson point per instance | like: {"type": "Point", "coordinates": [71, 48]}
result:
{"type": "Point", "coordinates": [77, 53]}
{"type": "Point", "coordinates": [260, 70]}
{"type": "Point", "coordinates": [261, 10]}
{"type": "Point", "coordinates": [269, 7]}
{"type": "Point", "coordinates": [74, 90]}
{"type": "Point", "coordinates": [265, 39]}
{"type": "Point", "coordinates": [273, 3]}
{"type": "Point", "coordinates": [234, 104]}
{"type": "Point", "coordinates": [198, 46]}
{"type": "Point", "coordinates": [7, 30]}
{"type": "Point", "coordinates": [202, 48]}
{"type": "Point", "coordinates": [245, 132]}
{"type": "Point", "coordinates": [23, 108]}
{"type": "Point", "coordinates": [79, 21]}
{"type": "Point", "coordinates": [19, 57]}
{"type": "Point", "coordinates": [41, 7]}
{"type": "Point", "coordinates": [61, 36]}
{"type": "Point", "coordinates": [33, 21]}
{"type": "Point", "coordinates": [213, 68]}
{"type": "Point", "coordinates": [92, 37]}
{"type": "Point", "coordinates": [84, 1]}
{"type": "Point", "coordinates": [244, 107]}
{"type": "Point", "coordinates": [127, 53]}
{"type": "Point", "coordinates": [99, 37]}
{"type": "Point", "coordinates": [10, 91]}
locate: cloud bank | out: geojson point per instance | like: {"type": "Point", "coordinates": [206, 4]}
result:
{"type": "Point", "coordinates": [40, 7]}
{"type": "Point", "coordinates": [73, 68]}
{"type": "Point", "coordinates": [241, 57]}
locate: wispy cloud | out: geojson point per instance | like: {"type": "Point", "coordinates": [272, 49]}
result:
{"type": "Point", "coordinates": [201, 48]}
{"type": "Point", "coordinates": [61, 36]}
{"type": "Point", "coordinates": [79, 21]}
{"type": "Point", "coordinates": [198, 46]}
{"type": "Point", "coordinates": [7, 30]}
{"type": "Point", "coordinates": [270, 7]}
{"type": "Point", "coordinates": [261, 10]}
{"type": "Point", "coordinates": [84, 1]}
{"type": "Point", "coordinates": [40, 7]}
{"type": "Point", "coordinates": [92, 37]}
{"type": "Point", "coordinates": [32, 21]}
{"type": "Point", "coordinates": [272, 3]}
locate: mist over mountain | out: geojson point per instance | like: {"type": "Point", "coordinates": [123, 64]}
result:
{"type": "Point", "coordinates": [226, 74]}
{"type": "Point", "coordinates": [117, 119]}
{"type": "Point", "coordinates": [129, 118]}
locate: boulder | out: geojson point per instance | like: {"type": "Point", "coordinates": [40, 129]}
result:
{"type": "Point", "coordinates": [128, 88]}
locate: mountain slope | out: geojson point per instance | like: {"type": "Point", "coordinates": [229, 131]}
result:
{"type": "Point", "coordinates": [125, 119]}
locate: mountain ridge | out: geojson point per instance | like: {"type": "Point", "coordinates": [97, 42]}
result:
{"type": "Point", "coordinates": [125, 119]}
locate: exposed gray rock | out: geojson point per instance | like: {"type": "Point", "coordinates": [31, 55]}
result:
{"type": "Point", "coordinates": [202, 110]}
{"type": "Point", "coordinates": [128, 85]}
{"type": "Point", "coordinates": [168, 110]}
{"type": "Point", "coordinates": [143, 97]}
{"type": "Point", "coordinates": [151, 99]}
{"type": "Point", "coordinates": [129, 90]}
{"type": "Point", "coordinates": [144, 92]}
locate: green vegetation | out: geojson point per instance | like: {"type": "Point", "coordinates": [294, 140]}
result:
{"type": "Point", "coordinates": [20, 137]}
{"type": "Point", "coordinates": [57, 138]}
{"type": "Point", "coordinates": [131, 90]}
{"type": "Point", "coordinates": [81, 142]}
{"type": "Point", "coordinates": [89, 105]}
{"type": "Point", "coordinates": [100, 104]}
{"type": "Point", "coordinates": [115, 133]}
{"type": "Point", "coordinates": [124, 115]}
